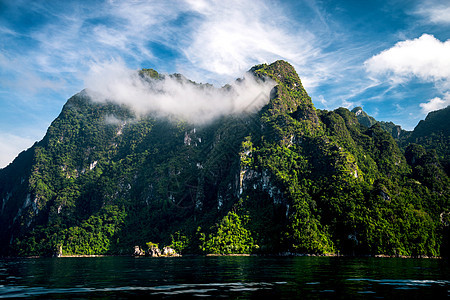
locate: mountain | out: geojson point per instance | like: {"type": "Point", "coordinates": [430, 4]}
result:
{"type": "Point", "coordinates": [285, 178]}
{"type": "Point", "coordinates": [433, 133]}
{"type": "Point", "coordinates": [364, 119]}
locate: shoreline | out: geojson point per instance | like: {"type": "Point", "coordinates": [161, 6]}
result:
{"type": "Point", "coordinates": [288, 254]}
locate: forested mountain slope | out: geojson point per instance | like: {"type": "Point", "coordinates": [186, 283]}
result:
{"type": "Point", "coordinates": [433, 133]}
{"type": "Point", "coordinates": [287, 178]}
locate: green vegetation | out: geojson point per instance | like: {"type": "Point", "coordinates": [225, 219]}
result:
{"type": "Point", "coordinates": [93, 236]}
{"type": "Point", "coordinates": [229, 237]}
{"type": "Point", "coordinates": [150, 73]}
{"type": "Point", "coordinates": [179, 242]}
{"type": "Point", "coordinates": [289, 178]}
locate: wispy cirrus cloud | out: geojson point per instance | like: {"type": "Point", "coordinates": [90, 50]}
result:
{"type": "Point", "coordinates": [436, 12]}
{"type": "Point", "coordinates": [210, 37]}
{"type": "Point", "coordinates": [233, 37]}
{"type": "Point", "coordinates": [79, 35]}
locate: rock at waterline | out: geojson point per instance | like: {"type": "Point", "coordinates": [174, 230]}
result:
{"type": "Point", "coordinates": [154, 251]}
{"type": "Point", "coordinates": [167, 251]}
{"type": "Point", "coordinates": [138, 251]}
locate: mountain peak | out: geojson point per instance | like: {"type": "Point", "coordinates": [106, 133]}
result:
{"type": "Point", "coordinates": [368, 121]}
{"type": "Point", "coordinates": [438, 120]}
{"type": "Point", "coordinates": [363, 118]}
{"type": "Point", "coordinates": [281, 72]}
{"type": "Point", "coordinates": [288, 96]}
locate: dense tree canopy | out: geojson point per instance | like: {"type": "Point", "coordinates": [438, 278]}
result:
{"type": "Point", "coordinates": [289, 178]}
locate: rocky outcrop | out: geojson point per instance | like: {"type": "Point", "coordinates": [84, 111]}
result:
{"type": "Point", "coordinates": [138, 251]}
{"type": "Point", "coordinates": [153, 251]}
{"type": "Point", "coordinates": [168, 251]}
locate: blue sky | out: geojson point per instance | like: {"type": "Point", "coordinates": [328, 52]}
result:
{"type": "Point", "coordinates": [390, 57]}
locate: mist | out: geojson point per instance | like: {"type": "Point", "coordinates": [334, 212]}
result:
{"type": "Point", "coordinates": [173, 96]}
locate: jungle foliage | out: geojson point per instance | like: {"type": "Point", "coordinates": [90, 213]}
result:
{"type": "Point", "coordinates": [289, 178]}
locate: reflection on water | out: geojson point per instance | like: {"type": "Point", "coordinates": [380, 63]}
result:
{"type": "Point", "coordinates": [230, 277]}
{"type": "Point", "coordinates": [406, 283]}
{"type": "Point", "coordinates": [168, 290]}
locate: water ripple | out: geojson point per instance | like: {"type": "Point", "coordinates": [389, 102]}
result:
{"type": "Point", "coordinates": [177, 289]}
{"type": "Point", "coordinates": [404, 283]}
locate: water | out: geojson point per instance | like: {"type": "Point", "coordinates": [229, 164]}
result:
{"type": "Point", "coordinates": [227, 277]}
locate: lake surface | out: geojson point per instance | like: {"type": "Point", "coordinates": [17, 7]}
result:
{"type": "Point", "coordinates": [228, 277]}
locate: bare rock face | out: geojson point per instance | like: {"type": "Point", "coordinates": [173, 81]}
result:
{"type": "Point", "coordinates": [138, 251]}
{"type": "Point", "coordinates": [167, 251]}
{"type": "Point", "coordinates": [154, 251]}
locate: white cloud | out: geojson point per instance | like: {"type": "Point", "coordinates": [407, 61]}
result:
{"type": "Point", "coordinates": [439, 15]}
{"type": "Point", "coordinates": [434, 12]}
{"type": "Point", "coordinates": [11, 145]}
{"type": "Point", "coordinates": [233, 36]}
{"type": "Point", "coordinates": [174, 97]}
{"type": "Point", "coordinates": [80, 35]}
{"type": "Point", "coordinates": [426, 58]}
{"type": "Point", "coordinates": [212, 39]}
{"type": "Point", "coordinates": [23, 79]}
{"type": "Point", "coordinates": [436, 103]}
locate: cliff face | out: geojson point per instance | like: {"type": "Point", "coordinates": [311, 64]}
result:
{"type": "Point", "coordinates": [285, 178]}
